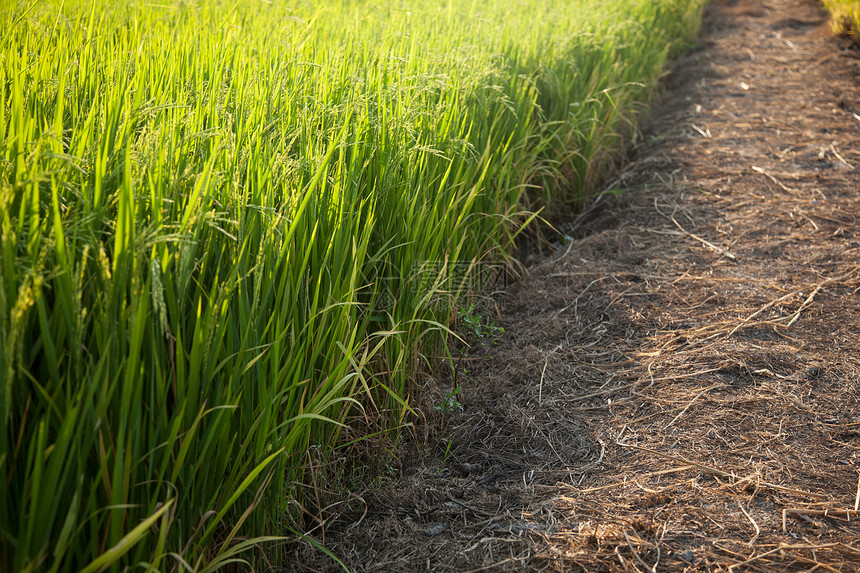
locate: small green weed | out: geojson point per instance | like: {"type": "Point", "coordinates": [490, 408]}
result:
{"type": "Point", "coordinates": [451, 402]}
{"type": "Point", "coordinates": [478, 325]}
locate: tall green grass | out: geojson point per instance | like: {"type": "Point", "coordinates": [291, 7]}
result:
{"type": "Point", "coordinates": [215, 222]}
{"type": "Point", "coordinates": [845, 17]}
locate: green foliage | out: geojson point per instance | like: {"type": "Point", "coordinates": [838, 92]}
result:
{"type": "Point", "coordinates": [845, 17]}
{"type": "Point", "coordinates": [198, 203]}
{"type": "Point", "coordinates": [451, 403]}
{"type": "Point", "coordinates": [478, 325]}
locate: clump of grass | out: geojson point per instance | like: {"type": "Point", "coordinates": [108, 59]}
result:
{"type": "Point", "coordinates": [216, 225]}
{"type": "Point", "coordinates": [845, 17]}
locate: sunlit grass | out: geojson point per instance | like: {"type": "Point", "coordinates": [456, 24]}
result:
{"type": "Point", "coordinates": [215, 224]}
{"type": "Point", "coordinates": [845, 17]}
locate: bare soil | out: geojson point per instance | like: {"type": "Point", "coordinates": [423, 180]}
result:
{"type": "Point", "coordinates": [677, 387]}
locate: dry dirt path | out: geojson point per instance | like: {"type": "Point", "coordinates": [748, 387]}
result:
{"type": "Point", "coordinates": [678, 388]}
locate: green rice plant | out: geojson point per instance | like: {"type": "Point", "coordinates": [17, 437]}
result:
{"type": "Point", "coordinates": [845, 17]}
{"type": "Point", "coordinates": [229, 230]}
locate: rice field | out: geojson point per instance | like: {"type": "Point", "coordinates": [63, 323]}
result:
{"type": "Point", "coordinates": [230, 232]}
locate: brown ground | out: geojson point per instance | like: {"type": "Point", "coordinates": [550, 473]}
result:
{"type": "Point", "coordinates": [678, 388]}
